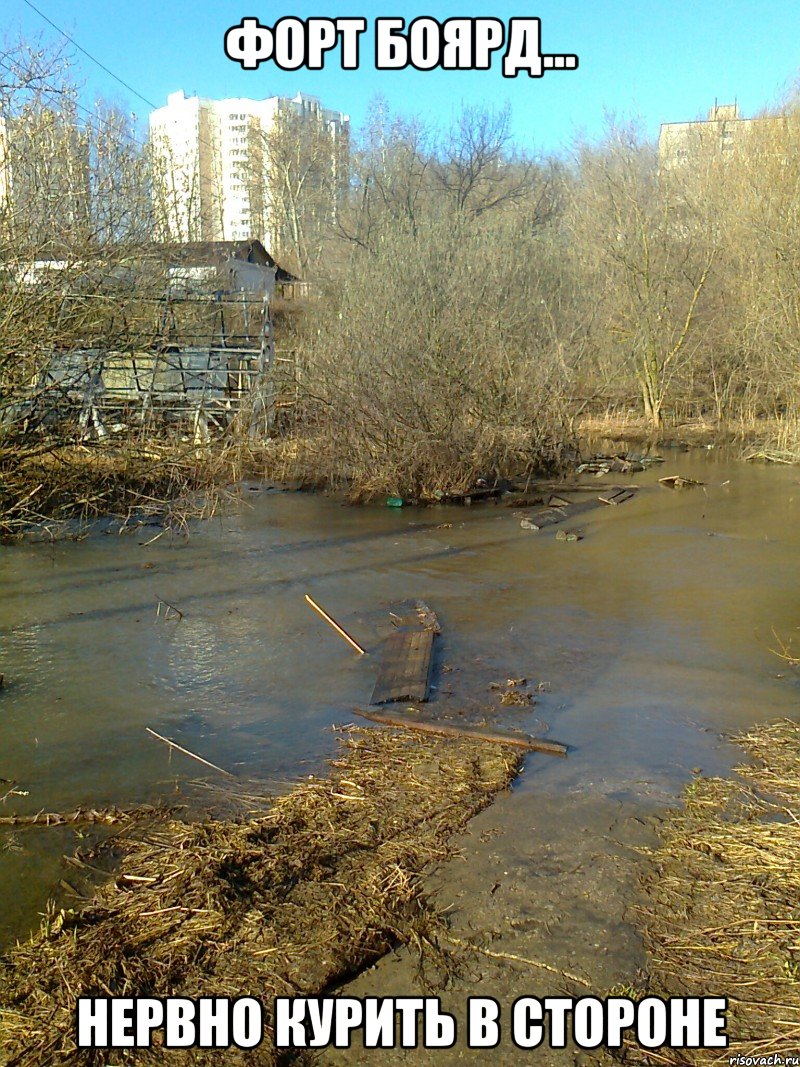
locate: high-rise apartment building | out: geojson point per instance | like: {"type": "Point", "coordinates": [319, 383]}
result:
{"type": "Point", "coordinates": [723, 131]}
{"type": "Point", "coordinates": [214, 172]}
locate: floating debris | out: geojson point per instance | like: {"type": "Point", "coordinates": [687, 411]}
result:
{"type": "Point", "coordinates": [619, 464]}
{"type": "Point", "coordinates": [427, 617]}
{"type": "Point", "coordinates": [676, 481]}
{"type": "Point", "coordinates": [167, 611]}
{"type": "Point", "coordinates": [108, 816]}
{"type": "Point", "coordinates": [772, 455]}
{"type": "Point", "coordinates": [511, 683]}
{"type": "Point", "coordinates": [186, 752]}
{"type": "Point", "coordinates": [620, 495]}
{"type": "Point", "coordinates": [340, 630]}
{"type": "Point", "coordinates": [530, 744]}
{"type": "Point", "coordinates": [515, 692]}
{"type": "Point", "coordinates": [12, 790]}
{"type": "Point", "coordinates": [516, 697]}
{"type": "Point", "coordinates": [405, 667]}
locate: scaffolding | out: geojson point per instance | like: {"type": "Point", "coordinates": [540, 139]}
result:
{"type": "Point", "coordinates": [210, 364]}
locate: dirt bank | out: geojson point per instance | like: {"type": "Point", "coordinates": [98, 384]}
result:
{"type": "Point", "coordinates": [287, 903]}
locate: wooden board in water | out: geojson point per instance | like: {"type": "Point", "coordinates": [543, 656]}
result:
{"type": "Point", "coordinates": [617, 496]}
{"type": "Point", "coordinates": [405, 667]}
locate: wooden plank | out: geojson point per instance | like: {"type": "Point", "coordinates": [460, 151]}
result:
{"type": "Point", "coordinates": [547, 517]}
{"type": "Point", "coordinates": [617, 496]}
{"type": "Point", "coordinates": [405, 668]}
{"type": "Point", "coordinates": [530, 744]}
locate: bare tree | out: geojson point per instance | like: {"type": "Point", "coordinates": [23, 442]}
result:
{"type": "Point", "coordinates": [648, 249]}
{"type": "Point", "coordinates": [478, 170]}
{"type": "Point", "coordinates": [391, 178]}
{"type": "Point", "coordinates": [297, 181]}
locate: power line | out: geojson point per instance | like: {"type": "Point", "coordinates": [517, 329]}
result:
{"type": "Point", "coordinates": [214, 149]}
{"type": "Point", "coordinates": [89, 55]}
{"type": "Point", "coordinates": [98, 125]}
{"type": "Point", "coordinates": [102, 66]}
{"type": "Point", "coordinates": [103, 123]}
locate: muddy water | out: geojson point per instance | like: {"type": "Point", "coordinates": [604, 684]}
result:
{"type": "Point", "coordinates": [650, 635]}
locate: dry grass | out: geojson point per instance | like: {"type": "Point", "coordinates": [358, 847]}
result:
{"type": "Point", "coordinates": [614, 426]}
{"type": "Point", "coordinates": [165, 480]}
{"type": "Point", "coordinates": [75, 482]}
{"type": "Point", "coordinates": [779, 443]}
{"type": "Point", "coordinates": [285, 903]}
{"type": "Point", "coordinates": [632, 427]}
{"type": "Point", "coordinates": [414, 464]}
{"type": "Point", "coordinates": [783, 650]}
{"type": "Point", "coordinates": [723, 910]}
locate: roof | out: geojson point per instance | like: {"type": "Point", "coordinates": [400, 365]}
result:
{"type": "Point", "coordinates": [216, 253]}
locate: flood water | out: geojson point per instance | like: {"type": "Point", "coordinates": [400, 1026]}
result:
{"type": "Point", "coordinates": [651, 635]}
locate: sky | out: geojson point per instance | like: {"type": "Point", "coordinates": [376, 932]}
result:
{"type": "Point", "coordinates": [650, 60]}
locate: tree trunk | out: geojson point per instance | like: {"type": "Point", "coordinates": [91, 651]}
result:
{"type": "Point", "coordinates": [651, 394]}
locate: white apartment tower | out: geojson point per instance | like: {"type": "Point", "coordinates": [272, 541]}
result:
{"type": "Point", "coordinates": [212, 178]}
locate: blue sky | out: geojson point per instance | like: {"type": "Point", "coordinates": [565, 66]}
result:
{"type": "Point", "coordinates": [660, 61]}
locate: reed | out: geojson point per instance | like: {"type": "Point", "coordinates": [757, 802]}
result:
{"type": "Point", "coordinates": [721, 916]}
{"type": "Point", "coordinates": [311, 890]}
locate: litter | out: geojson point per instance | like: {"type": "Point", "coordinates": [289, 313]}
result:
{"type": "Point", "coordinates": [619, 464]}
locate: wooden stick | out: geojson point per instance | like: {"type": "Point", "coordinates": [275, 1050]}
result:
{"type": "Point", "coordinates": [82, 815]}
{"type": "Point", "coordinates": [518, 959]}
{"type": "Point", "coordinates": [340, 631]}
{"type": "Point", "coordinates": [192, 755]}
{"type": "Point", "coordinates": [531, 744]}
{"type": "Point", "coordinates": [169, 607]}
